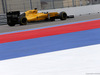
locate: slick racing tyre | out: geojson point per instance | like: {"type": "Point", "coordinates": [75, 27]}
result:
{"type": "Point", "coordinates": [63, 16]}
{"type": "Point", "coordinates": [22, 20]}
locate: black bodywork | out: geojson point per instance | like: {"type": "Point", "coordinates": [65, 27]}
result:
{"type": "Point", "coordinates": [14, 17]}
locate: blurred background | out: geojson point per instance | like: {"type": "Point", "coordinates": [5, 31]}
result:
{"type": "Point", "coordinates": [24, 5]}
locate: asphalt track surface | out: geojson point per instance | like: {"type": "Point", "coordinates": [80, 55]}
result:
{"type": "Point", "coordinates": [6, 28]}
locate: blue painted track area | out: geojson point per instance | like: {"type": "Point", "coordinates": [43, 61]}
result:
{"type": "Point", "coordinates": [49, 44]}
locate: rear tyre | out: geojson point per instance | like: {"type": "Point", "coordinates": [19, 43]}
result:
{"type": "Point", "coordinates": [22, 20]}
{"type": "Point", "coordinates": [63, 16]}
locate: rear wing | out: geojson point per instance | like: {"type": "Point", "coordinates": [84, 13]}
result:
{"type": "Point", "coordinates": [13, 14]}
{"type": "Point", "coordinates": [12, 17]}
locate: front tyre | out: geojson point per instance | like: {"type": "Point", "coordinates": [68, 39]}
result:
{"type": "Point", "coordinates": [63, 16]}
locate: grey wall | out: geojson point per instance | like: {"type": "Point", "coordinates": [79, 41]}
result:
{"type": "Point", "coordinates": [24, 5]}
{"type": "Point", "coordinates": [1, 10]}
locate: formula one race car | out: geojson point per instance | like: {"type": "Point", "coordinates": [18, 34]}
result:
{"type": "Point", "coordinates": [14, 17]}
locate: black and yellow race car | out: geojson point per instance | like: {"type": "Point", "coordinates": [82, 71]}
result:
{"type": "Point", "coordinates": [14, 17]}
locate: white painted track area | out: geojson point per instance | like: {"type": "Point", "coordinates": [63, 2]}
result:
{"type": "Point", "coordinates": [77, 61]}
